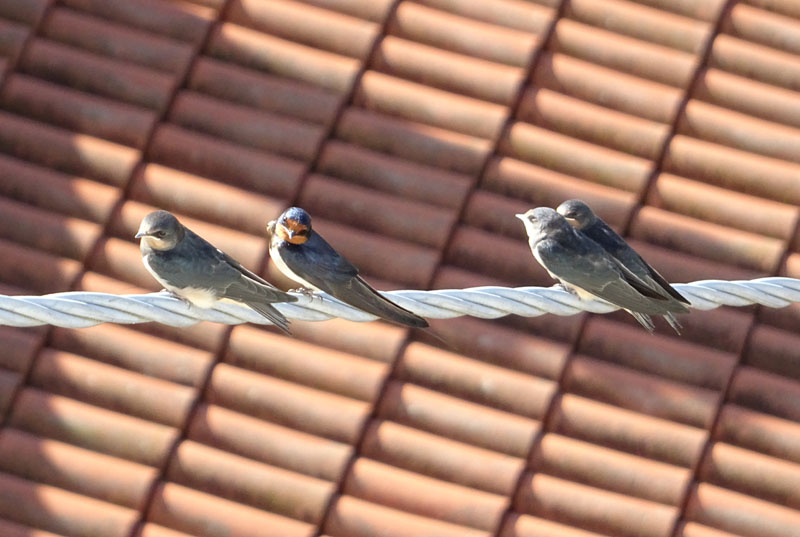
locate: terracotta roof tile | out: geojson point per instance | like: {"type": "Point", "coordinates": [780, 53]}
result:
{"type": "Point", "coordinates": [635, 20]}
{"type": "Point", "coordinates": [319, 28]}
{"type": "Point", "coordinates": [78, 111]}
{"type": "Point", "coordinates": [130, 349]}
{"type": "Point", "coordinates": [720, 206]}
{"type": "Point", "coordinates": [28, 13]}
{"type": "Point", "coordinates": [12, 39]}
{"type": "Point", "coordinates": [243, 125]}
{"type": "Point", "coordinates": [251, 483]}
{"type": "Point", "coordinates": [666, 357]}
{"type": "Point", "coordinates": [448, 71]}
{"type": "Point", "coordinates": [91, 427]}
{"type": "Point", "coordinates": [205, 515]}
{"type": "Point", "coordinates": [198, 197]}
{"type": "Point", "coordinates": [97, 74]}
{"type": "Point", "coordinates": [612, 470]}
{"type": "Point", "coordinates": [417, 143]}
{"type": "Point", "coordinates": [75, 469]}
{"type": "Point", "coordinates": [111, 387]}
{"type": "Point", "coordinates": [266, 442]}
{"type": "Point", "coordinates": [412, 131]}
{"type": "Point", "coordinates": [734, 512]}
{"type": "Point", "coordinates": [332, 371]}
{"type": "Point", "coordinates": [759, 432]}
{"type": "Point", "coordinates": [77, 154]}
{"type": "Point", "coordinates": [766, 392]}
{"type": "Point", "coordinates": [645, 393]}
{"type": "Point", "coordinates": [61, 193]}
{"type": "Point", "coordinates": [567, 155]}
{"type": "Point", "coordinates": [406, 491]}
{"type": "Point", "coordinates": [449, 31]}
{"type": "Point", "coordinates": [58, 510]}
{"type": "Point", "coordinates": [752, 473]}
{"type": "Point", "coordinates": [748, 96]}
{"type": "Point", "coordinates": [434, 412]}
{"type": "Point", "coordinates": [703, 239]}
{"type": "Point", "coordinates": [530, 526]}
{"type": "Point", "coordinates": [374, 10]}
{"type": "Point", "coordinates": [52, 273]}
{"type": "Point", "coordinates": [393, 175]}
{"type": "Point", "coordinates": [628, 431]}
{"type": "Point", "coordinates": [64, 236]}
{"type": "Point", "coordinates": [607, 87]}
{"type": "Point", "coordinates": [12, 529]}
{"type": "Point", "coordinates": [764, 64]}
{"type": "Point", "coordinates": [119, 41]}
{"type": "Point", "coordinates": [352, 517]}
{"type": "Point", "coordinates": [257, 50]}
{"type": "Point", "coordinates": [526, 16]}
{"type": "Point", "coordinates": [286, 403]}
{"type": "Point", "coordinates": [474, 380]}
{"type": "Point", "coordinates": [763, 27]}
{"type": "Point", "coordinates": [629, 55]}
{"type": "Point", "coordinates": [178, 20]}
{"type": "Point", "coordinates": [593, 509]}
{"type": "Point", "coordinates": [224, 161]}
{"type": "Point", "coordinates": [785, 7]}
{"type": "Point", "coordinates": [442, 458]}
{"type": "Point", "coordinates": [592, 123]}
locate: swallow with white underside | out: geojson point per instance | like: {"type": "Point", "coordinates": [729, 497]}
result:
{"type": "Point", "coordinates": [582, 218]}
{"type": "Point", "coordinates": [302, 255]}
{"type": "Point", "coordinates": [196, 271]}
{"type": "Point", "coordinates": [585, 268]}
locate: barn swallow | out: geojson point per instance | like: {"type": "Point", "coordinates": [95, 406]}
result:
{"type": "Point", "coordinates": [193, 269]}
{"type": "Point", "coordinates": [585, 268]}
{"type": "Point", "coordinates": [303, 255]}
{"type": "Point", "coordinates": [582, 218]}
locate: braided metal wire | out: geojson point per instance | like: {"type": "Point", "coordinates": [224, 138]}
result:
{"type": "Point", "coordinates": [81, 309]}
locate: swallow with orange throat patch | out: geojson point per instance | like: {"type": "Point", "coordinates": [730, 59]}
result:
{"type": "Point", "coordinates": [302, 255]}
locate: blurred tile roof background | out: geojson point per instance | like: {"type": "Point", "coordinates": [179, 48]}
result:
{"type": "Point", "coordinates": [412, 131]}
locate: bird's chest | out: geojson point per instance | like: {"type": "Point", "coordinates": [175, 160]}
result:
{"type": "Point", "coordinates": [283, 258]}
{"type": "Point", "coordinates": [199, 296]}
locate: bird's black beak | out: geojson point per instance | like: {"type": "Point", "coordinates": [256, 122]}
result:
{"type": "Point", "coordinates": [141, 234]}
{"type": "Point", "coordinates": [291, 233]}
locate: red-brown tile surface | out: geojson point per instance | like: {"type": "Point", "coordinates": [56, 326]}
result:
{"type": "Point", "coordinates": [412, 131]}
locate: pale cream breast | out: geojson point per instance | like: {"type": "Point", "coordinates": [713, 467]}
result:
{"type": "Point", "coordinates": [285, 270]}
{"type": "Point", "coordinates": [202, 298]}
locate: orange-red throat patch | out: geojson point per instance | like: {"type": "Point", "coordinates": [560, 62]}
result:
{"type": "Point", "coordinates": [293, 232]}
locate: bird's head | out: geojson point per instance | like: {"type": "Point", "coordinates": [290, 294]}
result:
{"type": "Point", "coordinates": [160, 230]}
{"type": "Point", "coordinates": [577, 213]}
{"type": "Point", "coordinates": [541, 221]}
{"type": "Point", "coordinates": [294, 225]}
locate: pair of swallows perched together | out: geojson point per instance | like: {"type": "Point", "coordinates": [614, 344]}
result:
{"type": "Point", "coordinates": [571, 243]}
{"type": "Point", "coordinates": [196, 271]}
{"type": "Point", "coordinates": [577, 248]}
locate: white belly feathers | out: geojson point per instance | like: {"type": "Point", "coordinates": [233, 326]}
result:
{"type": "Point", "coordinates": [202, 298]}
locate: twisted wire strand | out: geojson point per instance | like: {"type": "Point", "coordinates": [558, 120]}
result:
{"type": "Point", "coordinates": [81, 309]}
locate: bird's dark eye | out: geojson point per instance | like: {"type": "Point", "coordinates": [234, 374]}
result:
{"type": "Point", "coordinates": [159, 234]}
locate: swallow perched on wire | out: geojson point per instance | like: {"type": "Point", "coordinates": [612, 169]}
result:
{"type": "Point", "coordinates": [585, 268]}
{"type": "Point", "coordinates": [193, 269]}
{"type": "Point", "coordinates": [582, 218]}
{"type": "Point", "coordinates": [304, 256]}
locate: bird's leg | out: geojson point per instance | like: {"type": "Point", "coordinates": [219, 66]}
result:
{"type": "Point", "coordinates": [305, 291]}
{"type": "Point", "coordinates": [561, 286]}
{"type": "Point", "coordinates": [173, 294]}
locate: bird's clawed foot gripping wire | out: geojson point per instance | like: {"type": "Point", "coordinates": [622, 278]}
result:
{"type": "Point", "coordinates": [84, 309]}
